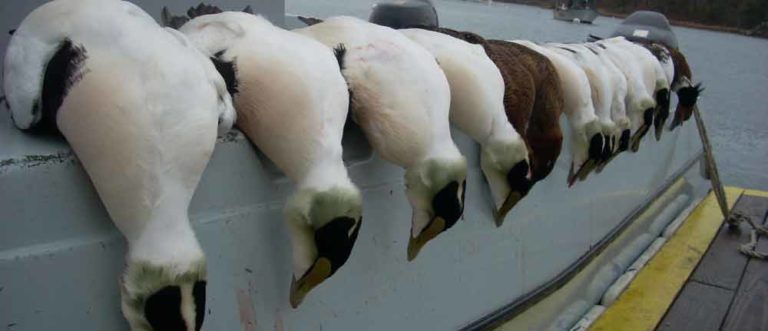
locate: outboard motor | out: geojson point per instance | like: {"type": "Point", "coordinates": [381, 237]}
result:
{"type": "Point", "coordinates": [647, 25]}
{"type": "Point", "coordinates": [399, 14]}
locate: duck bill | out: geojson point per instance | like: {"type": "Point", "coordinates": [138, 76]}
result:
{"type": "Point", "coordinates": [512, 199]}
{"type": "Point", "coordinates": [319, 272]}
{"type": "Point", "coordinates": [435, 227]}
{"type": "Point", "coordinates": [582, 173]}
{"type": "Point", "coordinates": [647, 122]}
{"type": "Point", "coordinates": [634, 144]}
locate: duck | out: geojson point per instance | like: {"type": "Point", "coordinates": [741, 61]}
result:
{"type": "Point", "coordinates": [401, 100]}
{"type": "Point", "coordinates": [532, 98]}
{"type": "Point", "coordinates": [640, 103]}
{"type": "Point", "coordinates": [664, 57]}
{"type": "Point", "coordinates": [618, 104]}
{"type": "Point", "coordinates": [602, 91]}
{"type": "Point", "coordinates": [543, 131]}
{"type": "Point", "coordinates": [141, 108]}
{"type": "Point", "coordinates": [653, 56]}
{"type": "Point", "coordinates": [678, 74]}
{"type": "Point", "coordinates": [687, 92]}
{"type": "Point", "coordinates": [477, 109]}
{"type": "Point", "coordinates": [654, 81]}
{"type": "Point", "coordinates": [586, 129]}
{"type": "Point", "coordinates": [292, 103]}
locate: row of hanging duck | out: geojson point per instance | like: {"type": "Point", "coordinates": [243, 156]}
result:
{"type": "Point", "coordinates": [140, 106]}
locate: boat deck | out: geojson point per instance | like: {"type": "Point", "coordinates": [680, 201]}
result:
{"type": "Point", "coordinates": [728, 290]}
{"type": "Point", "coordinates": [699, 280]}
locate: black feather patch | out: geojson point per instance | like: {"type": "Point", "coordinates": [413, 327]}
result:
{"type": "Point", "coordinates": [163, 310]}
{"type": "Point", "coordinates": [228, 71]}
{"type": "Point", "coordinates": [309, 21]}
{"type": "Point", "coordinates": [567, 49]}
{"type": "Point", "coordinates": [334, 241]}
{"type": "Point", "coordinates": [340, 51]}
{"type": "Point", "coordinates": [446, 204]}
{"type": "Point", "coordinates": [198, 292]}
{"type": "Point", "coordinates": [689, 94]}
{"type": "Point", "coordinates": [11, 32]}
{"type": "Point", "coordinates": [202, 9]}
{"type": "Point", "coordinates": [63, 71]}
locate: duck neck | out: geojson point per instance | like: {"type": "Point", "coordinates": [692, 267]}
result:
{"type": "Point", "coordinates": [325, 174]}
{"type": "Point", "coordinates": [166, 239]}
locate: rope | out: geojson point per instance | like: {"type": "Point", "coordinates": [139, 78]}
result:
{"type": "Point", "coordinates": [750, 249]}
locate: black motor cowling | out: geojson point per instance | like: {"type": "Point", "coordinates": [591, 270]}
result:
{"type": "Point", "coordinates": [401, 14]}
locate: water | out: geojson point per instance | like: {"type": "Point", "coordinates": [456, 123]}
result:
{"type": "Point", "coordinates": [734, 70]}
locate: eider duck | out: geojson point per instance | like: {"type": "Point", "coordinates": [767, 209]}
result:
{"type": "Point", "coordinates": [401, 98]}
{"type": "Point", "coordinates": [586, 131]}
{"type": "Point", "coordinates": [682, 84]}
{"type": "Point", "coordinates": [140, 108]}
{"type": "Point", "coordinates": [664, 56]}
{"type": "Point", "coordinates": [292, 103]}
{"type": "Point", "coordinates": [532, 98]}
{"type": "Point", "coordinates": [619, 98]}
{"type": "Point", "coordinates": [543, 133]}
{"type": "Point", "coordinates": [653, 78]}
{"type": "Point", "coordinates": [477, 108]}
{"type": "Point", "coordinates": [602, 91]}
{"type": "Point", "coordinates": [640, 103]}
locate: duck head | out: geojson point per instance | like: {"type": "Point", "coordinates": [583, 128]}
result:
{"type": "Point", "coordinates": [323, 226]}
{"type": "Point", "coordinates": [436, 190]}
{"type": "Point", "coordinates": [162, 297]}
{"type": "Point", "coordinates": [507, 170]}
{"type": "Point", "coordinates": [687, 97]}
{"type": "Point", "coordinates": [589, 147]}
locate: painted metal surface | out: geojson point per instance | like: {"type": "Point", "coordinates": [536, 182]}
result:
{"type": "Point", "coordinates": [60, 256]}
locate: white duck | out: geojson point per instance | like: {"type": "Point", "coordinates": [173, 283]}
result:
{"type": "Point", "coordinates": [618, 103]}
{"type": "Point", "coordinates": [601, 87]}
{"type": "Point", "coordinates": [659, 81]}
{"type": "Point", "coordinates": [292, 103]}
{"type": "Point", "coordinates": [639, 102]}
{"type": "Point", "coordinates": [477, 108]}
{"type": "Point", "coordinates": [401, 99]}
{"type": "Point", "coordinates": [586, 130]}
{"type": "Point", "coordinates": [653, 78]}
{"type": "Point", "coordinates": [140, 107]}
{"type": "Point", "coordinates": [664, 56]}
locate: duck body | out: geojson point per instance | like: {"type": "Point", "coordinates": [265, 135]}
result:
{"type": "Point", "coordinates": [618, 100]}
{"type": "Point", "coordinates": [602, 90]}
{"type": "Point", "coordinates": [543, 132]}
{"type": "Point", "coordinates": [401, 100]}
{"type": "Point", "coordinates": [292, 103]}
{"type": "Point", "coordinates": [139, 107]}
{"type": "Point", "coordinates": [477, 108]}
{"type": "Point", "coordinates": [640, 102]}
{"type": "Point", "coordinates": [586, 130]}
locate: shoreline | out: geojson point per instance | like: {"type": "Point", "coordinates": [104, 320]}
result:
{"type": "Point", "coordinates": [760, 32]}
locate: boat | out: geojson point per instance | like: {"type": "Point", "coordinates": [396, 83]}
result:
{"type": "Point", "coordinates": [577, 11]}
{"type": "Point", "coordinates": [560, 253]}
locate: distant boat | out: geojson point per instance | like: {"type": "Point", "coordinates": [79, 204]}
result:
{"type": "Point", "coordinates": [577, 11]}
